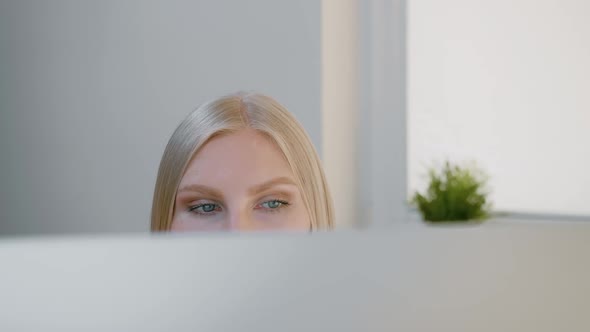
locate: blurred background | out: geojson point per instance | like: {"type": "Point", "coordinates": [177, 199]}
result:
{"type": "Point", "coordinates": [90, 92]}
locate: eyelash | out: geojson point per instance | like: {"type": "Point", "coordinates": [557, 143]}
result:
{"type": "Point", "coordinates": [194, 208]}
{"type": "Point", "coordinates": [282, 205]}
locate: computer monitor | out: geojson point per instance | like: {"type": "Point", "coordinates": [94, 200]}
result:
{"type": "Point", "coordinates": [503, 277]}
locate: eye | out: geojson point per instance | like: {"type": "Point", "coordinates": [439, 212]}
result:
{"type": "Point", "coordinates": [205, 209]}
{"type": "Point", "coordinates": [273, 204]}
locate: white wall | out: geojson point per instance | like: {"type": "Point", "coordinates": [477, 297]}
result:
{"type": "Point", "coordinates": [506, 83]}
{"type": "Point", "coordinates": [90, 91]}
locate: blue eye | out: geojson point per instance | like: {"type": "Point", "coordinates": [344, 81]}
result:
{"type": "Point", "coordinates": [273, 204]}
{"type": "Point", "coordinates": [207, 208]}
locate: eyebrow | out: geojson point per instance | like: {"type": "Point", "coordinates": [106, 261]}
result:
{"type": "Point", "coordinates": [206, 190]}
{"type": "Point", "coordinates": [269, 184]}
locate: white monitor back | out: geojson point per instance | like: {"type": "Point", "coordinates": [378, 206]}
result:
{"type": "Point", "coordinates": [497, 277]}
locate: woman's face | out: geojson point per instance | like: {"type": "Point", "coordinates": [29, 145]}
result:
{"type": "Point", "coordinates": [239, 182]}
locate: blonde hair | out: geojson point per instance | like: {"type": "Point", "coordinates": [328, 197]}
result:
{"type": "Point", "coordinates": [229, 114]}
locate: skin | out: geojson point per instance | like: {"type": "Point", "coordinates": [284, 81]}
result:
{"type": "Point", "coordinates": [239, 182]}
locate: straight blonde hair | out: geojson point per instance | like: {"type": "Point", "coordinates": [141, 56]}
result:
{"type": "Point", "coordinates": [230, 114]}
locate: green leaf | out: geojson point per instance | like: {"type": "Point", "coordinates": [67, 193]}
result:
{"type": "Point", "coordinates": [454, 193]}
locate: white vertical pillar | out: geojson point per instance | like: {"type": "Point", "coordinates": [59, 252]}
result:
{"type": "Point", "coordinates": [340, 101]}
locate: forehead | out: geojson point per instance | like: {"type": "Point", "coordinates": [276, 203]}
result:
{"type": "Point", "coordinates": [243, 158]}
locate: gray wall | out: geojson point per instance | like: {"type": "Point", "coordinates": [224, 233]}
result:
{"type": "Point", "coordinates": [382, 124]}
{"type": "Point", "coordinates": [90, 91]}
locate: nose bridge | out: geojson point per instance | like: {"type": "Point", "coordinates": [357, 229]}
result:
{"type": "Point", "coordinates": [239, 220]}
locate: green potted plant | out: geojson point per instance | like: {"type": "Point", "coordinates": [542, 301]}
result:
{"type": "Point", "coordinates": [454, 194]}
